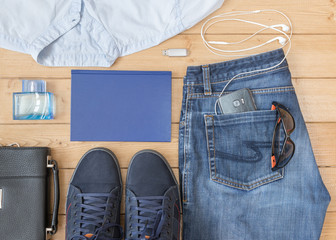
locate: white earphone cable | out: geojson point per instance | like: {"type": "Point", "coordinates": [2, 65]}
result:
{"type": "Point", "coordinates": [251, 48]}
{"type": "Point", "coordinates": [259, 70]}
{"type": "Point", "coordinates": [240, 13]}
{"type": "Point", "coordinates": [211, 48]}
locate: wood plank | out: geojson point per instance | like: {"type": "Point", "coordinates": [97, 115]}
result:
{"type": "Point", "coordinates": [62, 90]}
{"type": "Point", "coordinates": [328, 231]}
{"type": "Point", "coordinates": [308, 55]}
{"type": "Point", "coordinates": [329, 227]}
{"type": "Point", "coordinates": [313, 16]}
{"type": "Point", "coordinates": [60, 87]}
{"type": "Point", "coordinates": [316, 97]}
{"type": "Point", "coordinates": [67, 153]}
{"type": "Point", "coordinates": [322, 139]}
{"type": "Point", "coordinates": [57, 137]}
{"type": "Point", "coordinates": [316, 100]}
{"type": "Point", "coordinates": [329, 178]}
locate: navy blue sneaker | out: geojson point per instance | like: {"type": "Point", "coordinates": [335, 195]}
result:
{"type": "Point", "coordinates": [152, 199]}
{"type": "Point", "coordinates": [94, 196]}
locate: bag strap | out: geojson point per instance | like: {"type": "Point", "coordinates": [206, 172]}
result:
{"type": "Point", "coordinates": [53, 165]}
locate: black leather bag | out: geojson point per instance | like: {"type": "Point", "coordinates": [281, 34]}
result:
{"type": "Point", "coordinates": [24, 204]}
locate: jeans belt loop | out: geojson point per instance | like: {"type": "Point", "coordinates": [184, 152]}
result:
{"type": "Point", "coordinates": [206, 80]}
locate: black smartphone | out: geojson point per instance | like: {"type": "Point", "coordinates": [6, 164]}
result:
{"type": "Point", "coordinates": [237, 101]}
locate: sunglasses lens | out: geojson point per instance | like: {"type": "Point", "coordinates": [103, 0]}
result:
{"type": "Point", "coordinates": [286, 154]}
{"type": "Point", "coordinates": [287, 120]}
{"type": "Point", "coordinates": [277, 142]}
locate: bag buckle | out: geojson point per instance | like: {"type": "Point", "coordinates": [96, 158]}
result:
{"type": "Point", "coordinates": [50, 164]}
{"type": "Point", "coordinates": [49, 231]}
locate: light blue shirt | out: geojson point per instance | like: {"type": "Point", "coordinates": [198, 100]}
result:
{"type": "Point", "coordinates": [92, 32]}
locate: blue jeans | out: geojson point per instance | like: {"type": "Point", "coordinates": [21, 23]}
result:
{"type": "Point", "coordinates": [228, 188]}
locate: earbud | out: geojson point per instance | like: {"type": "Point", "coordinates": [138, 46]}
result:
{"type": "Point", "coordinates": [284, 27]}
{"type": "Point", "coordinates": [281, 40]}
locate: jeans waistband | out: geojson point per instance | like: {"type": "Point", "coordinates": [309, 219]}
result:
{"type": "Point", "coordinates": [223, 71]}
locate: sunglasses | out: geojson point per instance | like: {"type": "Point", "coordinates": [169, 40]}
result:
{"type": "Point", "coordinates": [282, 155]}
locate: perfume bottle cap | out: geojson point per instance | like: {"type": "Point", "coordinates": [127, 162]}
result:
{"type": "Point", "coordinates": [34, 86]}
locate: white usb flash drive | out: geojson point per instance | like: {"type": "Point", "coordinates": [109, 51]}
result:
{"type": "Point", "coordinates": [175, 52]}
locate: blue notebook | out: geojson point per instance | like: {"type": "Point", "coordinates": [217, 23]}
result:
{"type": "Point", "coordinates": [120, 106]}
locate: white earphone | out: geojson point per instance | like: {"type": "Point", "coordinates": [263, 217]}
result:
{"type": "Point", "coordinates": [283, 40]}
{"type": "Point", "coordinates": [284, 27]}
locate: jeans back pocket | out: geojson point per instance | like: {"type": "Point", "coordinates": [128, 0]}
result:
{"type": "Point", "coordinates": [239, 148]}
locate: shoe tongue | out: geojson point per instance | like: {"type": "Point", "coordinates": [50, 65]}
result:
{"type": "Point", "coordinates": [90, 229]}
{"type": "Point", "coordinates": [149, 232]}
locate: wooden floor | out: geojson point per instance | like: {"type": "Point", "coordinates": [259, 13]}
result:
{"type": "Point", "coordinates": [312, 62]}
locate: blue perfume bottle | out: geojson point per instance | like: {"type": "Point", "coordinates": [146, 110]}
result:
{"type": "Point", "coordinates": [34, 102]}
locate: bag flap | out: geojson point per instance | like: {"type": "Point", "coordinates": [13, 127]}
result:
{"type": "Point", "coordinates": [23, 161]}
